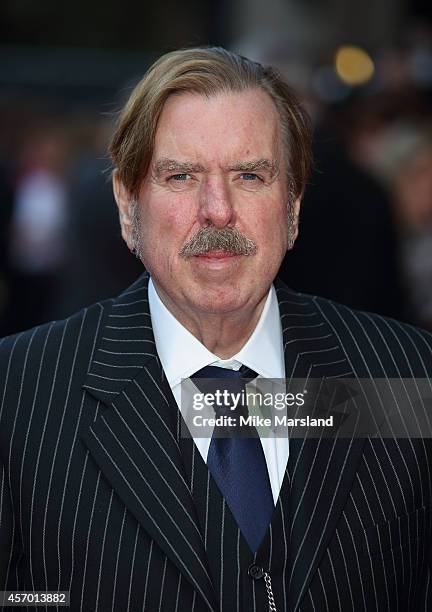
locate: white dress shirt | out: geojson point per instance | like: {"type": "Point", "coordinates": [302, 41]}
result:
{"type": "Point", "coordinates": [182, 355]}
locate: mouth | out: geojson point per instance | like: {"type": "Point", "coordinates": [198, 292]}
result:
{"type": "Point", "coordinates": [216, 255]}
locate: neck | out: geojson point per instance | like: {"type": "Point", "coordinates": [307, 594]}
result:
{"type": "Point", "coordinates": [224, 334]}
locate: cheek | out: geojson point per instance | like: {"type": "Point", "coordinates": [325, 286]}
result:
{"type": "Point", "coordinates": [165, 226]}
{"type": "Point", "coordinates": [171, 214]}
{"type": "Point", "coordinates": [270, 226]}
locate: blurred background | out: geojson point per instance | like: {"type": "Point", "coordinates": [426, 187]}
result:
{"type": "Point", "coordinates": [363, 69]}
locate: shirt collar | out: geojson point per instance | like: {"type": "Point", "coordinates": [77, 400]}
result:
{"type": "Point", "coordinates": [182, 354]}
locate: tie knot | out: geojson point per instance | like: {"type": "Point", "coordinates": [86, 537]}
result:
{"type": "Point", "coordinates": [244, 373]}
{"type": "Point", "coordinates": [228, 385]}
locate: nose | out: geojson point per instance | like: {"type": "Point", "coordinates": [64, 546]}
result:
{"type": "Point", "coordinates": [215, 206]}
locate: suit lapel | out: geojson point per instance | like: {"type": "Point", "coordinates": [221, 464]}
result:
{"type": "Point", "coordinates": [133, 437]}
{"type": "Point", "coordinates": [320, 472]}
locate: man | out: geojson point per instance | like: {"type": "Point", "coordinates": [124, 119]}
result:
{"type": "Point", "coordinates": [101, 494]}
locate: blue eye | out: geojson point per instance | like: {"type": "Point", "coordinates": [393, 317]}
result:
{"type": "Point", "coordinates": [249, 176]}
{"type": "Point", "coordinates": [180, 177]}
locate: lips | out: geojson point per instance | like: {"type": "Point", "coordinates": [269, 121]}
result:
{"type": "Point", "coordinates": [217, 255]}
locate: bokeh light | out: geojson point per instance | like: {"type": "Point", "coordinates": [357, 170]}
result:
{"type": "Point", "coordinates": [354, 65]}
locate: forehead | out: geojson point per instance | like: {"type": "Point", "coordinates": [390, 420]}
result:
{"type": "Point", "coordinates": [220, 128]}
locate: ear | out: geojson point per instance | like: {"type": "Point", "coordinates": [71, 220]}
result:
{"type": "Point", "coordinates": [293, 222]}
{"type": "Point", "coordinates": [124, 202]}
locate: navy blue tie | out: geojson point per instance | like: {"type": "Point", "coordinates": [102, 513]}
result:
{"type": "Point", "coordinates": [237, 463]}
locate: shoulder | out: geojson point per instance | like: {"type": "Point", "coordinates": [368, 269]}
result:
{"type": "Point", "coordinates": [58, 353]}
{"type": "Point", "coordinates": [383, 346]}
{"type": "Point", "coordinates": [50, 345]}
{"type": "Point", "coordinates": [374, 345]}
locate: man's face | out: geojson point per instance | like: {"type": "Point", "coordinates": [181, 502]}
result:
{"type": "Point", "coordinates": [218, 163]}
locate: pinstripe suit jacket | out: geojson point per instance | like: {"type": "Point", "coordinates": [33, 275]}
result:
{"type": "Point", "coordinates": [100, 495]}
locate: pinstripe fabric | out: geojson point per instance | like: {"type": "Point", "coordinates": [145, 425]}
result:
{"type": "Point", "coordinates": [99, 494]}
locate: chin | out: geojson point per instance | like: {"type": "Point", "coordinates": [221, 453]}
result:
{"type": "Point", "coordinates": [215, 303]}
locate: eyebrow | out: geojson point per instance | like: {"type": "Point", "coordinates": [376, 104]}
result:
{"type": "Point", "coordinates": [172, 165]}
{"type": "Point", "coordinates": [254, 165]}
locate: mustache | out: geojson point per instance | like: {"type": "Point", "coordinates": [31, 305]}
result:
{"type": "Point", "coordinates": [211, 239]}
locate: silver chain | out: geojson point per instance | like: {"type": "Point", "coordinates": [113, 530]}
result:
{"type": "Point", "coordinates": [270, 596]}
